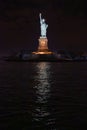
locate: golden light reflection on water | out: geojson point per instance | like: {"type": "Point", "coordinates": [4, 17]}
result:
{"type": "Point", "coordinates": [43, 78]}
{"type": "Point", "coordinates": [42, 89]}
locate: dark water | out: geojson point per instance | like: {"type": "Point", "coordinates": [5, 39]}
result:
{"type": "Point", "coordinates": [43, 95]}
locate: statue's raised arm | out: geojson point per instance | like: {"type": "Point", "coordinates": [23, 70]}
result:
{"type": "Point", "coordinates": [40, 17]}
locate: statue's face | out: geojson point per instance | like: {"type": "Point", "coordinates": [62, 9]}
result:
{"type": "Point", "coordinates": [43, 20]}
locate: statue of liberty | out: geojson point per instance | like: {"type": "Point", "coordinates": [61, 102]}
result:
{"type": "Point", "coordinates": [43, 27]}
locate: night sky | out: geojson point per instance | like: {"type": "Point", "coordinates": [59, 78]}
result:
{"type": "Point", "coordinates": [20, 27]}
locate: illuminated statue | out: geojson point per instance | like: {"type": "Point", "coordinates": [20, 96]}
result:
{"type": "Point", "coordinates": [43, 41]}
{"type": "Point", "coordinates": [43, 27]}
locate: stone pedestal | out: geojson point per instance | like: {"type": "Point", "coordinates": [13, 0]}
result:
{"type": "Point", "coordinates": [43, 46]}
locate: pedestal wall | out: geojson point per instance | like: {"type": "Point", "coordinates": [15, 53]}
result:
{"type": "Point", "coordinates": [43, 44]}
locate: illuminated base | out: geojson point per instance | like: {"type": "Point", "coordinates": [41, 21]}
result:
{"type": "Point", "coordinates": [42, 52]}
{"type": "Point", "coordinates": [43, 46]}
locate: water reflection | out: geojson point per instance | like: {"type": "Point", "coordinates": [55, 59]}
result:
{"type": "Point", "coordinates": [43, 84]}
